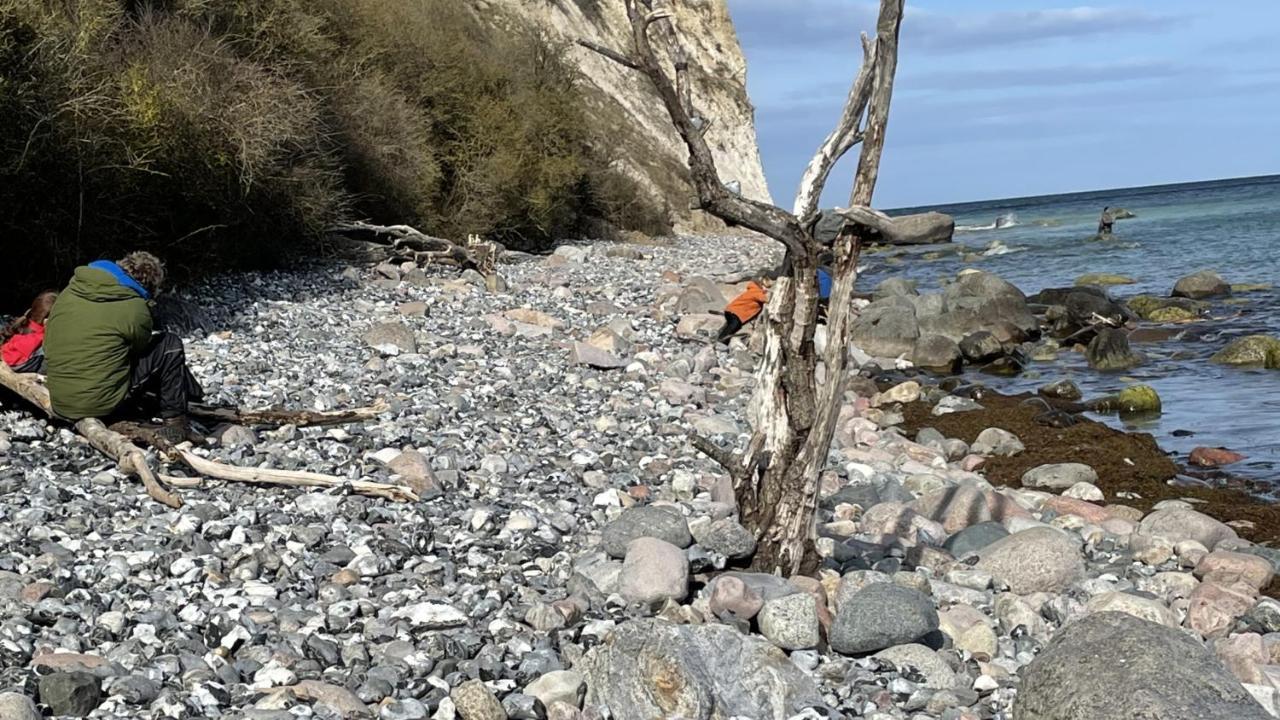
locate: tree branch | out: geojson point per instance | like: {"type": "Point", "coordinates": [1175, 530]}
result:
{"type": "Point", "coordinates": [610, 53]}
{"type": "Point", "coordinates": [278, 416]}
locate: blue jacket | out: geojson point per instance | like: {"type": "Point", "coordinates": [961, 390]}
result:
{"type": "Point", "coordinates": [824, 284]}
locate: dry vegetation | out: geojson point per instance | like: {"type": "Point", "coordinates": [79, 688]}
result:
{"type": "Point", "coordinates": [231, 133]}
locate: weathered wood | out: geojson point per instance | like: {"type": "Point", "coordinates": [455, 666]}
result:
{"type": "Point", "coordinates": [292, 478]}
{"type": "Point", "coordinates": [405, 242]}
{"type": "Point", "coordinates": [275, 417]}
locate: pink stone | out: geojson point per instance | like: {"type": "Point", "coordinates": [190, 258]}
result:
{"type": "Point", "coordinates": [970, 463]}
{"type": "Point", "coordinates": [1214, 607]}
{"type": "Point", "coordinates": [730, 595]}
{"type": "Point", "coordinates": [1242, 654]}
{"type": "Point", "coordinates": [892, 518]}
{"type": "Point", "coordinates": [1229, 567]}
{"type": "Point", "coordinates": [1124, 512]}
{"type": "Point", "coordinates": [1095, 514]}
{"type": "Point", "coordinates": [1119, 526]}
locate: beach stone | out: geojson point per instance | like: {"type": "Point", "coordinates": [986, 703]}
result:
{"type": "Point", "coordinates": [1057, 477]}
{"type": "Point", "coordinates": [699, 326]}
{"type": "Point", "coordinates": [1214, 607]}
{"type": "Point", "coordinates": [1113, 666]}
{"type": "Point", "coordinates": [1139, 607]}
{"type": "Point", "coordinates": [1255, 350]}
{"type": "Point", "coordinates": [1200, 285]}
{"type": "Point", "coordinates": [907, 392]}
{"type": "Point", "coordinates": [557, 686]}
{"type": "Point", "coordinates": [729, 538]}
{"type": "Point", "coordinates": [958, 507]}
{"type": "Point", "coordinates": [16, 706]}
{"type": "Point", "coordinates": [888, 331]}
{"type": "Point", "coordinates": [937, 353]}
{"type": "Point", "coordinates": [1092, 493]}
{"type": "Point", "coordinates": [1243, 654]}
{"type": "Point", "coordinates": [730, 594]}
{"type": "Point", "coordinates": [1103, 279]}
{"type": "Point", "coordinates": [969, 630]}
{"type": "Point", "coordinates": [415, 470]}
{"type": "Point", "coordinates": [1109, 350]}
{"type": "Point", "coordinates": [974, 538]}
{"type": "Point", "coordinates": [655, 521]}
{"type": "Point", "coordinates": [995, 441]}
{"type": "Point", "coordinates": [678, 392]}
{"type": "Point", "coordinates": [880, 616]}
{"type": "Point", "coordinates": [395, 335]}
{"type": "Point", "coordinates": [1179, 524]}
{"type": "Point", "coordinates": [336, 698]}
{"type": "Point", "coordinates": [1013, 612]}
{"type": "Point", "coordinates": [1063, 505]}
{"type": "Point", "coordinates": [981, 346]}
{"type": "Point", "coordinates": [937, 674]}
{"type": "Point", "coordinates": [73, 694]}
{"type": "Point", "coordinates": [654, 571]}
{"type": "Point", "coordinates": [591, 356]}
{"type": "Point", "coordinates": [1214, 457]}
{"type": "Point", "coordinates": [893, 518]}
{"type": "Point", "coordinates": [1151, 550]}
{"type": "Point", "coordinates": [791, 622]}
{"type": "Point", "coordinates": [608, 340]}
{"type": "Point", "coordinates": [472, 700]}
{"type": "Point", "coordinates": [953, 404]}
{"type": "Point", "coordinates": [1062, 390]}
{"type": "Point", "coordinates": [1038, 559]}
{"type": "Point", "coordinates": [1232, 567]}
{"type": "Point", "coordinates": [653, 668]}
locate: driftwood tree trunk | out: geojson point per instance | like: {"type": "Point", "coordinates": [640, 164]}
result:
{"type": "Point", "coordinates": [793, 416]}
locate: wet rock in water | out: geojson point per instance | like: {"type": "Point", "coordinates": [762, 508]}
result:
{"type": "Point", "coordinates": [1214, 457]}
{"type": "Point", "coordinates": [1109, 350]}
{"type": "Point", "coordinates": [1059, 476]}
{"type": "Point", "coordinates": [1203, 284]}
{"type": "Point", "coordinates": [974, 538]}
{"type": "Point", "coordinates": [937, 674]}
{"type": "Point", "coordinates": [655, 521]}
{"type": "Point", "coordinates": [791, 622]}
{"type": "Point", "coordinates": [1039, 559]}
{"type": "Point", "coordinates": [928, 228]}
{"type": "Point", "coordinates": [1133, 400]}
{"type": "Point", "coordinates": [1062, 390]}
{"type": "Point", "coordinates": [937, 353]}
{"type": "Point", "coordinates": [995, 441]}
{"type": "Point", "coordinates": [1145, 306]}
{"type": "Point", "coordinates": [895, 286]}
{"type": "Point", "coordinates": [1113, 666]}
{"type": "Point", "coordinates": [880, 616]}
{"type": "Point", "coordinates": [391, 338]}
{"type": "Point", "coordinates": [981, 346]}
{"type": "Point", "coordinates": [653, 668]}
{"type": "Point", "coordinates": [653, 572]}
{"type": "Point", "coordinates": [1104, 279]}
{"type": "Point", "coordinates": [474, 701]}
{"type": "Point", "coordinates": [15, 706]}
{"type": "Point", "coordinates": [1172, 314]}
{"type": "Point", "coordinates": [1178, 524]}
{"type": "Point", "coordinates": [1252, 350]}
{"type": "Point", "coordinates": [74, 694]}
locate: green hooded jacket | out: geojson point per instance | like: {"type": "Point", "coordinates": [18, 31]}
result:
{"type": "Point", "coordinates": [97, 326]}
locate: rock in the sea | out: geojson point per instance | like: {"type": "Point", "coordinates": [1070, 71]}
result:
{"type": "Point", "coordinates": [1114, 666]}
{"type": "Point", "coordinates": [1214, 457]}
{"type": "Point", "coordinates": [1104, 279]}
{"type": "Point", "coordinates": [15, 706]}
{"type": "Point", "coordinates": [1062, 390]}
{"type": "Point", "coordinates": [880, 616]}
{"type": "Point", "coordinates": [1109, 350]}
{"type": "Point", "coordinates": [474, 701]}
{"type": "Point", "coordinates": [981, 346]}
{"type": "Point", "coordinates": [653, 572]}
{"type": "Point", "coordinates": [1133, 400]}
{"type": "Point", "coordinates": [1058, 476]}
{"type": "Point", "coordinates": [937, 674]}
{"type": "Point", "coordinates": [1039, 559]}
{"type": "Point", "coordinates": [791, 621]}
{"type": "Point", "coordinates": [1252, 350]}
{"type": "Point", "coordinates": [922, 229]}
{"type": "Point", "coordinates": [1178, 524]}
{"type": "Point", "coordinates": [73, 694]}
{"type": "Point", "coordinates": [996, 441]}
{"type": "Point", "coordinates": [1203, 284]}
{"type": "Point", "coordinates": [895, 286]}
{"type": "Point", "coordinates": [655, 521]}
{"type": "Point", "coordinates": [937, 353]}
{"type": "Point", "coordinates": [652, 668]}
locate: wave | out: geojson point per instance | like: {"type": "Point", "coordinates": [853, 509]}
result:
{"type": "Point", "coordinates": [1006, 220]}
{"type": "Point", "coordinates": [999, 248]}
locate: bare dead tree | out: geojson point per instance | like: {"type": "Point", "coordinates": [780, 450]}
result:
{"type": "Point", "coordinates": [793, 416]}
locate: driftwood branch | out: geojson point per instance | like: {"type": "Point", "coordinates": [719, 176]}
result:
{"type": "Point", "coordinates": [724, 458]}
{"type": "Point", "coordinates": [407, 243]}
{"type": "Point", "coordinates": [276, 417]}
{"type": "Point", "coordinates": [610, 53]}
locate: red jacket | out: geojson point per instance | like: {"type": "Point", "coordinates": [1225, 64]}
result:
{"type": "Point", "coordinates": [19, 348]}
{"type": "Point", "coordinates": [748, 304]}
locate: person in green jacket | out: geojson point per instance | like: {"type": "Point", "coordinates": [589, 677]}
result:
{"type": "Point", "coordinates": [103, 357]}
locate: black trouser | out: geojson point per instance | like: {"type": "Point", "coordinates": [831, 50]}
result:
{"type": "Point", "coordinates": [160, 380]}
{"type": "Point", "coordinates": [34, 364]}
{"type": "Point", "coordinates": [732, 324]}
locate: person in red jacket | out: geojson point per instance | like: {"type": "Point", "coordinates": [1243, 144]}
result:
{"type": "Point", "coordinates": [23, 338]}
{"type": "Point", "coordinates": [744, 308]}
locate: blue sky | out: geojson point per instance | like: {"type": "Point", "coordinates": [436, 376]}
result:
{"type": "Point", "coordinates": [1000, 98]}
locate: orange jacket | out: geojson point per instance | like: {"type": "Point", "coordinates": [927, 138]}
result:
{"type": "Point", "coordinates": [749, 304]}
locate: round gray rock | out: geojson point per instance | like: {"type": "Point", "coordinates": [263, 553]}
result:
{"type": "Point", "coordinates": [1203, 284]}
{"type": "Point", "coordinates": [995, 441]}
{"type": "Point", "coordinates": [15, 706]}
{"type": "Point", "coordinates": [937, 673]}
{"type": "Point", "coordinates": [1178, 524]}
{"type": "Point", "coordinates": [974, 538]}
{"type": "Point", "coordinates": [1113, 666]}
{"type": "Point", "coordinates": [880, 616]}
{"type": "Point", "coordinates": [653, 572]}
{"type": "Point", "coordinates": [1058, 476]}
{"type": "Point", "coordinates": [1039, 559]}
{"type": "Point", "coordinates": [655, 521]}
{"type": "Point", "coordinates": [729, 538]}
{"type": "Point", "coordinates": [75, 694]}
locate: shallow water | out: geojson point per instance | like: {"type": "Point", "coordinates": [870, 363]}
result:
{"type": "Point", "coordinates": [1229, 226]}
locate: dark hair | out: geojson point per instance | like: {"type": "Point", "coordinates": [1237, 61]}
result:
{"type": "Point", "coordinates": [37, 313]}
{"type": "Point", "coordinates": [145, 268]}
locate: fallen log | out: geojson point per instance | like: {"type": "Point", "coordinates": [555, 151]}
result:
{"type": "Point", "coordinates": [407, 243]}
{"type": "Point", "coordinates": [276, 417]}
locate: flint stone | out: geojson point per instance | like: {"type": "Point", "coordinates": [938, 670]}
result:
{"type": "Point", "coordinates": [652, 668]}
{"type": "Point", "coordinates": [1178, 524]}
{"type": "Point", "coordinates": [655, 521]}
{"type": "Point", "coordinates": [938, 675]}
{"type": "Point", "coordinates": [1039, 559]}
{"type": "Point", "coordinates": [791, 622]}
{"type": "Point", "coordinates": [474, 701]}
{"type": "Point", "coordinates": [654, 571]}
{"type": "Point", "coordinates": [1113, 666]}
{"type": "Point", "coordinates": [74, 694]}
{"type": "Point", "coordinates": [1058, 476]}
{"type": "Point", "coordinates": [880, 616]}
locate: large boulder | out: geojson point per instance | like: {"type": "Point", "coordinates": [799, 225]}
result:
{"type": "Point", "coordinates": [1109, 350]}
{"type": "Point", "coordinates": [652, 668]}
{"type": "Point", "coordinates": [937, 353]}
{"type": "Point", "coordinates": [895, 286]}
{"type": "Point", "coordinates": [1178, 524]}
{"type": "Point", "coordinates": [1251, 350]}
{"type": "Point", "coordinates": [1039, 559]}
{"type": "Point", "coordinates": [1204, 284]}
{"type": "Point", "coordinates": [929, 228]}
{"type": "Point", "coordinates": [886, 330]}
{"type": "Point", "coordinates": [981, 346]}
{"type": "Point", "coordinates": [1114, 666]}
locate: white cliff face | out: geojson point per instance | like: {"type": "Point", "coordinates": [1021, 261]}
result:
{"type": "Point", "coordinates": [647, 146]}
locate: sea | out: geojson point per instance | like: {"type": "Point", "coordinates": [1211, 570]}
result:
{"type": "Point", "coordinates": [1230, 226]}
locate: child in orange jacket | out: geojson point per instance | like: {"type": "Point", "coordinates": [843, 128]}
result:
{"type": "Point", "coordinates": [744, 308]}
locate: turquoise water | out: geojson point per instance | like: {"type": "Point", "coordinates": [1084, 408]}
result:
{"type": "Point", "coordinates": [1231, 226]}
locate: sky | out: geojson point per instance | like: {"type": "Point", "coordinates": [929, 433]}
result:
{"type": "Point", "coordinates": [1004, 98]}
